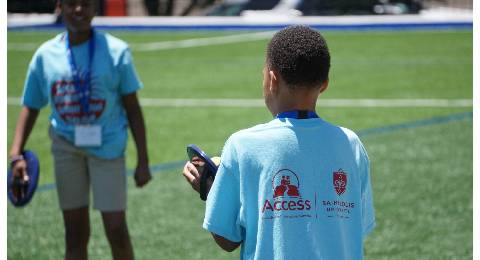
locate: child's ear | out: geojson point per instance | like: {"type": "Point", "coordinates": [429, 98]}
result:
{"type": "Point", "coordinates": [274, 81]}
{"type": "Point", "coordinates": [324, 86]}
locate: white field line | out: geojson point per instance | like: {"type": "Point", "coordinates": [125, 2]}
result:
{"type": "Point", "coordinates": [246, 103]}
{"type": "Point", "coordinates": [168, 45]}
{"type": "Point", "coordinates": [197, 42]}
{"type": "Point", "coordinates": [188, 43]}
{"type": "Point", "coordinates": [22, 46]}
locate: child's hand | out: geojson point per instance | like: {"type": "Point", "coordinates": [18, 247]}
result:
{"type": "Point", "coordinates": [142, 175]}
{"type": "Point", "coordinates": [19, 170]}
{"type": "Point", "coordinates": [192, 175]}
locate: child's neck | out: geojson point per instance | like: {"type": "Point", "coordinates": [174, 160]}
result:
{"type": "Point", "coordinates": [296, 100]}
{"type": "Point", "coordinates": [298, 107]}
{"type": "Point", "coordinates": [76, 38]}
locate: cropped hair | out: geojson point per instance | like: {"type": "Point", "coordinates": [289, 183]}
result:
{"type": "Point", "coordinates": [300, 54]}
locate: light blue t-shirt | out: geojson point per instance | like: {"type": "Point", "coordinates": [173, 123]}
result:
{"type": "Point", "coordinates": [49, 80]}
{"type": "Point", "coordinates": [293, 189]}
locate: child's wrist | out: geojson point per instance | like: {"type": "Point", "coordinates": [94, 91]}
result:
{"type": "Point", "coordinates": [16, 158]}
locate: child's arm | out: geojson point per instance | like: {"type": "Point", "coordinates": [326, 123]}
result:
{"type": "Point", "coordinates": [225, 244]}
{"type": "Point", "coordinates": [137, 126]}
{"type": "Point", "coordinates": [25, 123]}
{"type": "Point", "coordinates": [192, 176]}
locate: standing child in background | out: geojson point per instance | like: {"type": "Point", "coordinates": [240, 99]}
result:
{"type": "Point", "coordinates": [296, 187]}
{"type": "Point", "coordinates": [90, 82]}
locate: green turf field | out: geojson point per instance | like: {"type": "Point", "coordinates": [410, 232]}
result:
{"type": "Point", "coordinates": [421, 174]}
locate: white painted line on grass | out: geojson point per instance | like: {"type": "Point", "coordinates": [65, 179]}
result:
{"type": "Point", "coordinates": [197, 42]}
{"type": "Point", "coordinates": [168, 45]}
{"type": "Point", "coordinates": [14, 101]}
{"type": "Point", "coordinates": [22, 46]}
{"type": "Point", "coordinates": [395, 102]}
{"type": "Point", "coordinates": [246, 103]}
{"type": "Point", "coordinates": [321, 102]}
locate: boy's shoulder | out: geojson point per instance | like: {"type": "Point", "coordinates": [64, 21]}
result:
{"type": "Point", "coordinates": [115, 45]}
{"type": "Point", "coordinates": [349, 133]}
{"type": "Point", "coordinates": [343, 133]}
{"type": "Point", "coordinates": [54, 44]}
{"type": "Point", "coordinates": [256, 129]}
{"type": "Point", "coordinates": [113, 42]}
{"type": "Point", "coordinates": [116, 48]}
{"type": "Point", "coordinates": [270, 128]}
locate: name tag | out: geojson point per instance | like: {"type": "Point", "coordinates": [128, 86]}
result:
{"type": "Point", "coordinates": [88, 135]}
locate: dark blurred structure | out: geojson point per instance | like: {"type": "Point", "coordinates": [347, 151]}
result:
{"type": "Point", "coordinates": [359, 7]}
{"type": "Point", "coordinates": [232, 8]}
{"type": "Point", "coordinates": [168, 7]}
{"type": "Point", "coordinates": [157, 7]}
{"type": "Point", "coordinates": [461, 4]}
{"type": "Point", "coordinates": [322, 7]}
{"type": "Point", "coordinates": [42, 6]}
{"type": "Point", "coordinates": [31, 6]}
{"type": "Point", "coordinates": [236, 7]}
{"type": "Point", "coordinates": [196, 4]}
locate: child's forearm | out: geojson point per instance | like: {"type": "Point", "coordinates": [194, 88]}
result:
{"type": "Point", "coordinates": [225, 244]}
{"type": "Point", "coordinates": [25, 124]}
{"type": "Point", "coordinates": [137, 126]}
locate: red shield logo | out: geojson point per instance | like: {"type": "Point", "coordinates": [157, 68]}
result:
{"type": "Point", "coordinates": [340, 181]}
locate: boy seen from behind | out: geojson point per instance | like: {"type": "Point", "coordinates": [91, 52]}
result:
{"type": "Point", "coordinates": [296, 187]}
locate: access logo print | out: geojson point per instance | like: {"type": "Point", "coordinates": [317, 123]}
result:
{"type": "Point", "coordinates": [286, 196]}
{"type": "Point", "coordinates": [340, 181]}
{"type": "Point", "coordinates": [285, 183]}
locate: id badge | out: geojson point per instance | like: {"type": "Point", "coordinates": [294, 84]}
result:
{"type": "Point", "coordinates": [88, 135]}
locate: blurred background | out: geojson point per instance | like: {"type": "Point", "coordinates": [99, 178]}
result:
{"type": "Point", "coordinates": [401, 78]}
{"type": "Point", "coordinates": [240, 7]}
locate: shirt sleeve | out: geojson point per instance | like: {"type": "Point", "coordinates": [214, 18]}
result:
{"type": "Point", "coordinates": [223, 201]}
{"type": "Point", "coordinates": [34, 91]}
{"type": "Point", "coordinates": [129, 80]}
{"type": "Point", "coordinates": [368, 214]}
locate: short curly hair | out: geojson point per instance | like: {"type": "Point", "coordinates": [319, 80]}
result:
{"type": "Point", "coordinates": [300, 54]}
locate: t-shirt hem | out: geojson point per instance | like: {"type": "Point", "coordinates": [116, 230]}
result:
{"type": "Point", "coordinates": [32, 106]}
{"type": "Point", "coordinates": [131, 90]}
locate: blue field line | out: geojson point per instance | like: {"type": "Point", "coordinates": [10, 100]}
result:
{"type": "Point", "coordinates": [362, 133]}
{"type": "Point", "coordinates": [415, 124]}
{"type": "Point", "coordinates": [154, 169]}
{"type": "Point", "coordinates": [45, 187]}
{"type": "Point", "coordinates": [162, 167]}
{"type": "Point", "coordinates": [220, 27]}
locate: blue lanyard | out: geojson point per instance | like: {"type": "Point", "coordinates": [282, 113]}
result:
{"type": "Point", "coordinates": [83, 90]}
{"type": "Point", "coordinates": [298, 114]}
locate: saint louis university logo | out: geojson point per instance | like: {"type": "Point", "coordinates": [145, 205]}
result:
{"type": "Point", "coordinates": [336, 207]}
{"type": "Point", "coordinates": [286, 197]}
{"type": "Point", "coordinates": [340, 181]}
